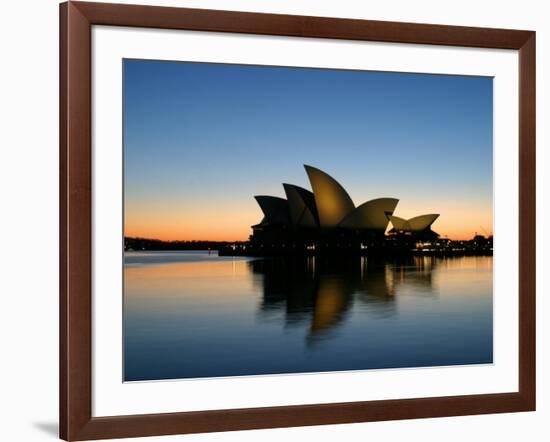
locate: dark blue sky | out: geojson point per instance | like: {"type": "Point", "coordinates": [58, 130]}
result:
{"type": "Point", "coordinates": [210, 136]}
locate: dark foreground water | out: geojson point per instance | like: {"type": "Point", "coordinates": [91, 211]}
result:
{"type": "Point", "coordinates": [191, 314]}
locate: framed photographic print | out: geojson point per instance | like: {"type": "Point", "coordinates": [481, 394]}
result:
{"type": "Point", "coordinates": [274, 220]}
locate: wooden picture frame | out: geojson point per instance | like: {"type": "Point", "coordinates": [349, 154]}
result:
{"type": "Point", "coordinates": [76, 21]}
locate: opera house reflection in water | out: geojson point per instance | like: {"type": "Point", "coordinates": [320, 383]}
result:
{"type": "Point", "coordinates": [320, 291]}
{"type": "Point", "coordinates": [191, 314]}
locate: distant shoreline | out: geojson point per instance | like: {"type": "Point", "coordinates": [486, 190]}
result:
{"type": "Point", "coordinates": [245, 248]}
{"type": "Point", "coordinates": [147, 244]}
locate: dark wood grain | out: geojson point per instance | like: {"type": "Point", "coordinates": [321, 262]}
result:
{"type": "Point", "coordinates": [63, 225]}
{"type": "Point", "coordinates": [76, 211]}
{"type": "Point", "coordinates": [527, 220]}
{"type": "Point", "coordinates": [76, 20]}
{"type": "Point", "coordinates": [293, 416]}
{"type": "Point", "coordinates": [300, 26]}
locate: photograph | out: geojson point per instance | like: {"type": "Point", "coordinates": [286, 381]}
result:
{"type": "Point", "coordinates": [284, 220]}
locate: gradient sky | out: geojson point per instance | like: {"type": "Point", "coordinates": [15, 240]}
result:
{"type": "Point", "coordinates": [201, 139]}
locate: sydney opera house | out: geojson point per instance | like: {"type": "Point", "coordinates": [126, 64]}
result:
{"type": "Point", "coordinates": [327, 219]}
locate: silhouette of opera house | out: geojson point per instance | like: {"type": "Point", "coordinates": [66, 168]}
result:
{"type": "Point", "coordinates": [327, 219]}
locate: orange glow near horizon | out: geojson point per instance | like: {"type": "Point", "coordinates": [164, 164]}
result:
{"type": "Point", "coordinates": [206, 223]}
{"type": "Point", "coordinates": [457, 221]}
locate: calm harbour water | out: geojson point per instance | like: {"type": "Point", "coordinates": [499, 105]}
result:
{"type": "Point", "coordinates": [193, 314]}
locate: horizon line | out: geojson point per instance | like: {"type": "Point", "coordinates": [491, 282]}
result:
{"type": "Point", "coordinates": [247, 240]}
